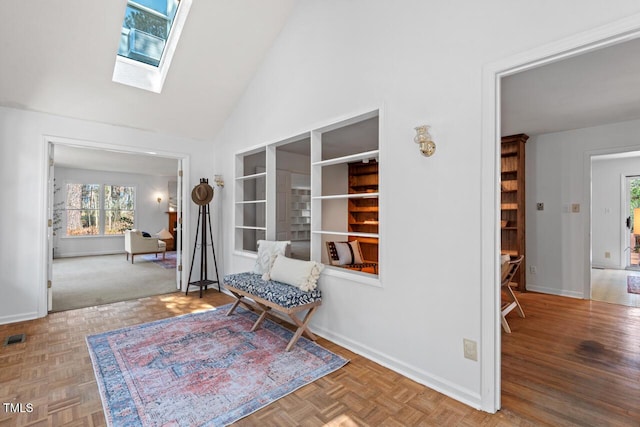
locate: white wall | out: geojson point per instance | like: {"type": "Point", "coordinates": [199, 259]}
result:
{"type": "Point", "coordinates": [558, 175]}
{"type": "Point", "coordinates": [608, 184]}
{"type": "Point", "coordinates": [421, 62]}
{"type": "Point", "coordinates": [23, 174]}
{"type": "Point", "coordinates": [150, 216]}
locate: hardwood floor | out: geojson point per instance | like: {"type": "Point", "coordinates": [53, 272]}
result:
{"type": "Point", "coordinates": [569, 362]}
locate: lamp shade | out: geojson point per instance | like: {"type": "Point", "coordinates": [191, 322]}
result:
{"type": "Point", "coordinates": [164, 234]}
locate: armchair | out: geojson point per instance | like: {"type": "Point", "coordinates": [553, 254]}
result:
{"type": "Point", "coordinates": [136, 244]}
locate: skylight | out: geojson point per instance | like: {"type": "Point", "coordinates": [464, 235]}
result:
{"type": "Point", "coordinates": [146, 28]}
{"type": "Point", "coordinates": [148, 39]}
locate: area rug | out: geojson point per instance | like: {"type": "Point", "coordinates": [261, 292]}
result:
{"type": "Point", "coordinates": [201, 369]}
{"type": "Point", "coordinates": [633, 284]}
{"type": "Point", "coordinates": [169, 260]}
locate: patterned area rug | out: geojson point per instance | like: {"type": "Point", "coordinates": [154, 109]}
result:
{"type": "Point", "coordinates": [633, 284]}
{"type": "Point", "coordinates": [169, 260]}
{"type": "Point", "coordinates": [201, 369]}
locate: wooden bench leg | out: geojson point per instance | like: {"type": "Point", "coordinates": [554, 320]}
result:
{"type": "Point", "coordinates": [234, 306]}
{"type": "Point", "coordinates": [302, 328]}
{"type": "Point", "coordinates": [263, 315]}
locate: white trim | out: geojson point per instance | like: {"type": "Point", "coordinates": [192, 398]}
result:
{"type": "Point", "coordinates": [248, 202]}
{"type": "Point", "coordinates": [600, 37]}
{"type": "Point", "coordinates": [348, 159]}
{"type": "Point", "coordinates": [348, 196]}
{"type": "Point", "coordinates": [253, 176]}
{"type": "Point", "coordinates": [346, 233]}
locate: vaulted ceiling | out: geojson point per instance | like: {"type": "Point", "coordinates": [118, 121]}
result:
{"type": "Point", "coordinates": [58, 57]}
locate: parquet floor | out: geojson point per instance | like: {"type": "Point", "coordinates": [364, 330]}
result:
{"type": "Point", "coordinates": [570, 362]}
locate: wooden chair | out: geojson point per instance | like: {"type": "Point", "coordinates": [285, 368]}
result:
{"type": "Point", "coordinates": [356, 260]}
{"type": "Point", "coordinates": [509, 269]}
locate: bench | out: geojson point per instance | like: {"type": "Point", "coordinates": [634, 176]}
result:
{"type": "Point", "coordinates": [272, 295]}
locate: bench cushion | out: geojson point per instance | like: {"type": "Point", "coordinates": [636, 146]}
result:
{"type": "Point", "coordinates": [277, 292]}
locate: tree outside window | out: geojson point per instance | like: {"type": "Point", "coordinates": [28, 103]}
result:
{"type": "Point", "coordinates": [83, 209]}
{"type": "Point", "coordinates": [87, 216]}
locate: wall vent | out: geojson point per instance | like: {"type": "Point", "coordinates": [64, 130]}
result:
{"type": "Point", "coordinates": [15, 339]}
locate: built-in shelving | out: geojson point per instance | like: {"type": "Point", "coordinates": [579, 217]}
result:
{"type": "Point", "coordinates": [300, 214]}
{"type": "Point", "coordinates": [363, 206]}
{"type": "Point", "coordinates": [512, 203]}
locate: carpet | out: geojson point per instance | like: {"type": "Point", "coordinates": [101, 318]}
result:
{"type": "Point", "coordinates": [95, 280]}
{"type": "Point", "coordinates": [201, 369]}
{"type": "Point", "coordinates": [633, 284]}
{"type": "Point", "coordinates": [169, 260]}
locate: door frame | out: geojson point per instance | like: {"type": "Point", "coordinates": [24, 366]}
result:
{"type": "Point", "coordinates": [608, 35]}
{"type": "Point", "coordinates": [50, 141]}
{"type": "Point", "coordinates": [626, 206]}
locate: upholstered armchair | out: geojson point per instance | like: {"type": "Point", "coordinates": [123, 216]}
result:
{"type": "Point", "coordinates": [136, 244]}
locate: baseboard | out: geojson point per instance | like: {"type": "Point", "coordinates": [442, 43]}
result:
{"type": "Point", "coordinates": [554, 291]}
{"type": "Point", "coordinates": [604, 266]}
{"type": "Point", "coordinates": [92, 253]}
{"type": "Point", "coordinates": [18, 318]}
{"type": "Point", "coordinates": [434, 382]}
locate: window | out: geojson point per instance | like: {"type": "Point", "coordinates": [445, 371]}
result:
{"type": "Point", "coordinates": [94, 210]}
{"type": "Point", "coordinates": [314, 188]}
{"type": "Point", "coordinates": [148, 39]}
{"type": "Point", "coordinates": [83, 209]}
{"type": "Point", "coordinates": [118, 208]}
{"type": "Point", "coordinates": [146, 28]}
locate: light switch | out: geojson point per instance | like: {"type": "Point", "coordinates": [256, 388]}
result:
{"type": "Point", "coordinates": [575, 208]}
{"type": "Point", "coordinates": [540, 206]}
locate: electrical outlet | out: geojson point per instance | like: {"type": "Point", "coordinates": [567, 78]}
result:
{"type": "Point", "coordinates": [607, 254]}
{"type": "Point", "coordinates": [532, 269]}
{"type": "Point", "coordinates": [575, 208]}
{"type": "Point", "coordinates": [540, 206]}
{"type": "Point", "coordinates": [470, 349]}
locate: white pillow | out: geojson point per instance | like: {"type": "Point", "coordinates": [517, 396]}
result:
{"type": "Point", "coordinates": [267, 252]}
{"type": "Point", "coordinates": [303, 274]}
{"type": "Point", "coordinates": [348, 253]}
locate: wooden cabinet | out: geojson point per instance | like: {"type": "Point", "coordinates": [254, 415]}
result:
{"type": "Point", "coordinates": [172, 226]}
{"type": "Point", "coordinates": [363, 211]}
{"type": "Point", "coordinates": [512, 202]}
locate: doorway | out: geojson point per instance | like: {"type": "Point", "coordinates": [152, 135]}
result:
{"type": "Point", "coordinates": [613, 34]}
{"type": "Point", "coordinates": [615, 187]}
{"type": "Point", "coordinates": [91, 265]}
{"type": "Point", "coordinates": [632, 222]}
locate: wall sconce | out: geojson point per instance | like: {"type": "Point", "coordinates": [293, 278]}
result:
{"type": "Point", "coordinates": [218, 180]}
{"type": "Point", "coordinates": [427, 146]}
{"type": "Point", "coordinates": [159, 199]}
